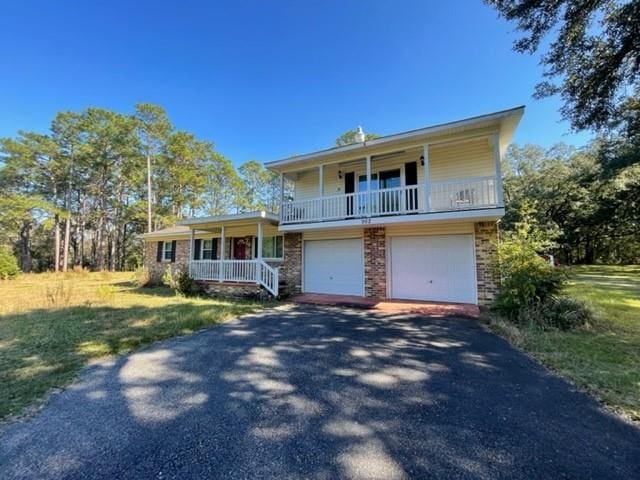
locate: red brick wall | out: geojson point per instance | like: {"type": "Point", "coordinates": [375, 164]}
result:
{"type": "Point", "coordinates": [291, 269]}
{"type": "Point", "coordinates": [156, 269]}
{"type": "Point", "coordinates": [486, 234]}
{"type": "Point", "coordinates": [375, 262]}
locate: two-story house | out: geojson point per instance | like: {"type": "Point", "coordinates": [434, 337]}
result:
{"type": "Point", "coordinates": [406, 216]}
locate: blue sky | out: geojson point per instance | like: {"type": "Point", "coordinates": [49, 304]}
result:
{"type": "Point", "coordinates": [267, 79]}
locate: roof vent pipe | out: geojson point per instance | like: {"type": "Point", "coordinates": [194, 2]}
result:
{"type": "Point", "coordinates": [360, 135]}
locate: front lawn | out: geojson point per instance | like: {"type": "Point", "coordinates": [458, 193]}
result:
{"type": "Point", "coordinates": [51, 325]}
{"type": "Point", "coordinates": [604, 358]}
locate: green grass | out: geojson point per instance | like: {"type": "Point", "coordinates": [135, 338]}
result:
{"type": "Point", "coordinates": [603, 358]}
{"type": "Point", "coordinates": [51, 325]}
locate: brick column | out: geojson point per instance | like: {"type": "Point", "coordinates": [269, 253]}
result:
{"type": "Point", "coordinates": [291, 270]}
{"type": "Point", "coordinates": [375, 262]}
{"type": "Point", "coordinates": [486, 234]}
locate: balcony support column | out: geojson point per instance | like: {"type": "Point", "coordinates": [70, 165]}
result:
{"type": "Point", "coordinates": [191, 248]}
{"type": "Point", "coordinates": [281, 188]}
{"type": "Point", "coordinates": [496, 157]}
{"type": "Point", "coordinates": [368, 163]}
{"type": "Point", "coordinates": [321, 190]}
{"type": "Point", "coordinates": [259, 256]}
{"type": "Point", "coordinates": [222, 245]}
{"type": "Point", "coordinates": [427, 182]}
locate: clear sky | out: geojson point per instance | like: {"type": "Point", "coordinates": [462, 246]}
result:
{"type": "Point", "coordinates": [267, 79]}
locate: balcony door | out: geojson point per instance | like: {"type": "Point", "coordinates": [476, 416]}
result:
{"type": "Point", "coordinates": [349, 188]}
{"type": "Point", "coordinates": [411, 180]}
{"type": "Point", "coordinates": [383, 201]}
{"type": "Point", "coordinates": [362, 187]}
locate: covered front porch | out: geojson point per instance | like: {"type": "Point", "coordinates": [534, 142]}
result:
{"type": "Point", "coordinates": [242, 248]}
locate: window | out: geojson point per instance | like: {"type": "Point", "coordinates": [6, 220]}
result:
{"type": "Point", "coordinates": [390, 179]}
{"type": "Point", "coordinates": [166, 251]}
{"type": "Point", "coordinates": [272, 247]}
{"type": "Point", "coordinates": [362, 182]}
{"type": "Point", "coordinates": [384, 202]}
{"type": "Point", "coordinates": [207, 250]}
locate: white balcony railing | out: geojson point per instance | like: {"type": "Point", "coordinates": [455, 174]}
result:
{"type": "Point", "coordinates": [247, 271]}
{"type": "Point", "coordinates": [447, 195]}
{"type": "Point", "coordinates": [463, 194]}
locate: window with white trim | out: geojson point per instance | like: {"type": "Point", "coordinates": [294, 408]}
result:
{"type": "Point", "coordinates": [206, 252]}
{"type": "Point", "coordinates": [272, 247]}
{"type": "Point", "coordinates": [166, 251]}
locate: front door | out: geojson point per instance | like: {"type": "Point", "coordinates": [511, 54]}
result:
{"type": "Point", "coordinates": [240, 247]}
{"type": "Point", "coordinates": [362, 201]}
{"type": "Point", "coordinates": [389, 201]}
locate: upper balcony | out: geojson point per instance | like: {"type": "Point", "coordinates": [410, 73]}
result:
{"type": "Point", "coordinates": [438, 196]}
{"type": "Point", "coordinates": [441, 172]}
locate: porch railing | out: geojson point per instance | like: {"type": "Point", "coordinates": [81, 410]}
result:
{"type": "Point", "coordinates": [244, 271]}
{"type": "Point", "coordinates": [447, 195]}
{"type": "Point", "coordinates": [477, 192]}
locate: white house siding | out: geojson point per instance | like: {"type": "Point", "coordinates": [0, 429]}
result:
{"type": "Point", "coordinates": [472, 158]}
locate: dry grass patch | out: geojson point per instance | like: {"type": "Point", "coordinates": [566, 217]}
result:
{"type": "Point", "coordinates": [51, 325]}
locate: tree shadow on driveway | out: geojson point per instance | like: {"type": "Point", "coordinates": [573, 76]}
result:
{"type": "Point", "coordinates": [309, 392]}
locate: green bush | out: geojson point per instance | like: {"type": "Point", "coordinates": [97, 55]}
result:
{"type": "Point", "coordinates": [556, 313]}
{"type": "Point", "coordinates": [8, 264]}
{"type": "Point", "coordinates": [185, 285]}
{"type": "Point", "coordinates": [525, 278]}
{"type": "Point", "coordinates": [168, 279]}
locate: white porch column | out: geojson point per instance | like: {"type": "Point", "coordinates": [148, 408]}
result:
{"type": "Point", "coordinates": [222, 245]}
{"type": "Point", "coordinates": [427, 181]}
{"type": "Point", "coordinates": [281, 188]}
{"type": "Point", "coordinates": [259, 265]}
{"type": "Point", "coordinates": [496, 157]}
{"type": "Point", "coordinates": [191, 249]}
{"type": "Point", "coordinates": [368, 160]}
{"type": "Point", "coordinates": [321, 190]}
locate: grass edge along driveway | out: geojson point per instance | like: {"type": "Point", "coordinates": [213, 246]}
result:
{"type": "Point", "coordinates": [603, 358]}
{"type": "Point", "coordinates": [52, 325]}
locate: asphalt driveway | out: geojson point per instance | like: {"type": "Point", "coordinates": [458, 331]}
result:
{"type": "Point", "coordinates": [324, 393]}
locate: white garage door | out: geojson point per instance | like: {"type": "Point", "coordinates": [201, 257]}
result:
{"type": "Point", "coordinates": [334, 266]}
{"type": "Point", "coordinates": [438, 268]}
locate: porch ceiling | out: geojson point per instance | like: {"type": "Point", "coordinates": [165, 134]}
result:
{"type": "Point", "coordinates": [503, 123]}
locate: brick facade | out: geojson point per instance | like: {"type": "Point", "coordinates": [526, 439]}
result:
{"type": "Point", "coordinates": [235, 290]}
{"type": "Point", "coordinates": [157, 269]}
{"type": "Point", "coordinates": [375, 265]}
{"type": "Point", "coordinates": [486, 234]}
{"type": "Point", "coordinates": [291, 269]}
{"type": "Point", "coordinates": [375, 262]}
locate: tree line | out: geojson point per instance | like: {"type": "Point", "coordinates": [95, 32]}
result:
{"type": "Point", "coordinates": [586, 201]}
{"type": "Point", "coordinates": [80, 194]}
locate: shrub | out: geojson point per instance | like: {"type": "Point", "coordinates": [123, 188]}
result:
{"type": "Point", "coordinates": [562, 313]}
{"type": "Point", "coordinates": [185, 285]}
{"type": "Point", "coordinates": [8, 264]}
{"type": "Point", "coordinates": [168, 278]}
{"type": "Point", "coordinates": [525, 278]}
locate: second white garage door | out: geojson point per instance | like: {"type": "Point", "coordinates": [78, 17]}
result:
{"type": "Point", "coordinates": [334, 266]}
{"type": "Point", "coordinates": [435, 267]}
